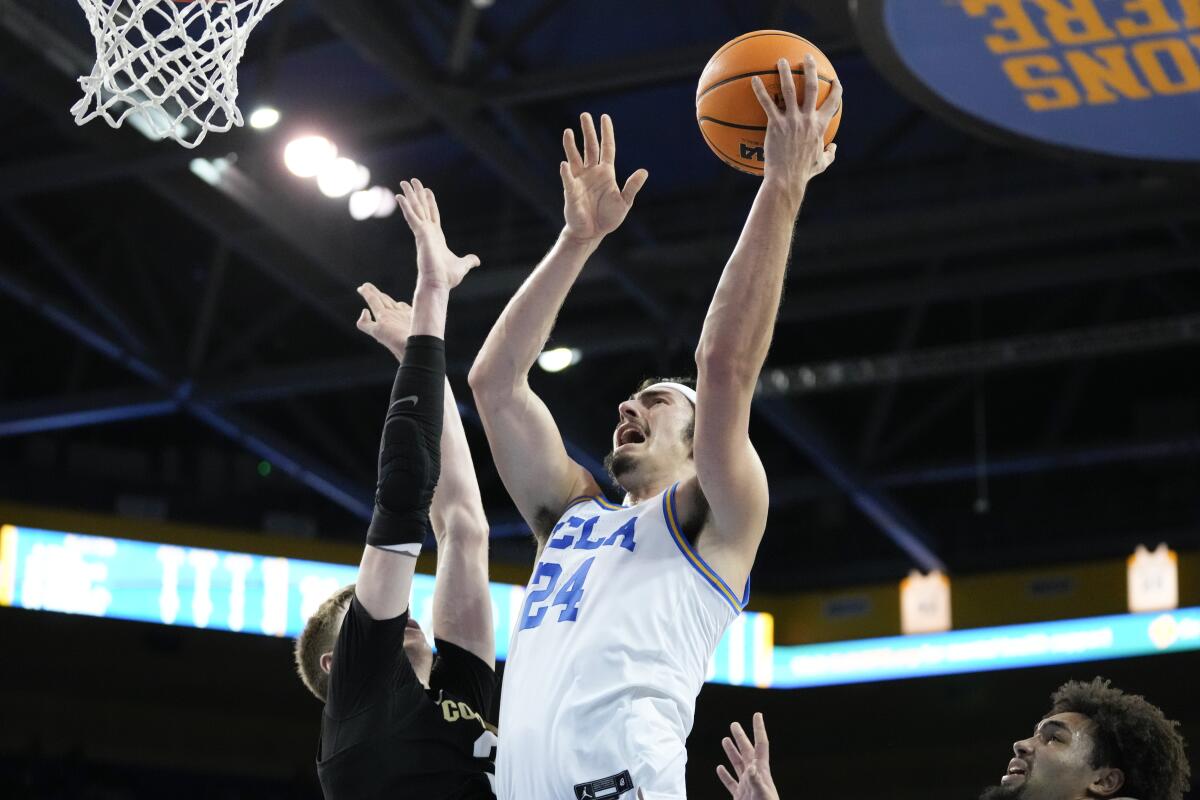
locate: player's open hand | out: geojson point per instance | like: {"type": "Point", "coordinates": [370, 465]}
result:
{"type": "Point", "coordinates": [795, 149]}
{"type": "Point", "coordinates": [387, 322]}
{"type": "Point", "coordinates": [592, 204]}
{"type": "Point", "coordinates": [751, 763]}
{"type": "Point", "coordinates": [436, 264]}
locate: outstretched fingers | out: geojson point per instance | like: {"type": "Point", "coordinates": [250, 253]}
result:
{"type": "Point", "coordinates": [762, 745]}
{"type": "Point", "coordinates": [727, 780]}
{"type": "Point", "coordinates": [422, 196]}
{"type": "Point", "coordinates": [568, 181]}
{"type": "Point", "coordinates": [574, 159]}
{"type": "Point", "coordinates": [811, 84]}
{"type": "Point", "coordinates": [608, 140]}
{"type": "Point", "coordinates": [734, 756]}
{"type": "Point", "coordinates": [591, 142]}
{"type": "Point", "coordinates": [411, 204]}
{"type": "Point", "coordinates": [633, 185]}
{"type": "Point", "coordinates": [826, 158]}
{"type": "Point", "coordinates": [832, 103]}
{"type": "Point", "coordinates": [418, 203]}
{"type": "Point", "coordinates": [787, 84]}
{"type": "Point", "coordinates": [431, 206]}
{"type": "Point", "coordinates": [406, 210]}
{"type": "Point", "coordinates": [376, 300]}
{"type": "Point", "coordinates": [764, 99]}
{"type": "Point", "coordinates": [744, 745]}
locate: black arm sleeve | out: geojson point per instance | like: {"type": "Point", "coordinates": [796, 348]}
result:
{"type": "Point", "coordinates": [410, 448]}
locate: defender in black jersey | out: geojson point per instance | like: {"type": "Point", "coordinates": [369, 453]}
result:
{"type": "Point", "coordinates": [399, 722]}
{"type": "Point", "coordinates": [384, 731]}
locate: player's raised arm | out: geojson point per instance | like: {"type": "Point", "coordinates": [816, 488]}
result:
{"type": "Point", "coordinates": [462, 611]}
{"type": "Point", "coordinates": [517, 422]}
{"type": "Point", "coordinates": [462, 607]}
{"type": "Point", "coordinates": [411, 446]}
{"type": "Point", "coordinates": [740, 321]}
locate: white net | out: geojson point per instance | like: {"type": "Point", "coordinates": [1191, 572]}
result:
{"type": "Point", "coordinates": [170, 67]}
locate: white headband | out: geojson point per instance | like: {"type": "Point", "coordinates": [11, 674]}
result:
{"type": "Point", "coordinates": [686, 391]}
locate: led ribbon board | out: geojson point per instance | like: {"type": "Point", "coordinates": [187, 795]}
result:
{"type": "Point", "coordinates": [197, 587]}
{"type": "Point", "coordinates": [222, 590]}
{"type": "Point", "coordinates": [985, 649]}
{"type": "Point", "coordinates": [1115, 78]}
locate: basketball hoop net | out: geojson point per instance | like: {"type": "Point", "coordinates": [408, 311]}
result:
{"type": "Point", "coordinates": [173, 64]}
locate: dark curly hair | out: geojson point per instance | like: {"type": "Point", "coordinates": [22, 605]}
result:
{"type": "Point", "coordinates": [1131, 735]}
{"type": "Point", "coordinates": [648, 382]}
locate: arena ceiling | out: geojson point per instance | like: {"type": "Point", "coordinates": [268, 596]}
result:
{"type": "Point", "coordinates": [985, 358]}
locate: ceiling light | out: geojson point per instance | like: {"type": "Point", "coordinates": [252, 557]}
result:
{"type": "Point", "coordinates": [387, 201]}
{"type": "Point", "coordinates": [264, 117]}
{"type": "Point", "coordinates": [211, 170]}
{"type": "Point", "coordinates": [308, 155]}
{"type": "Point", "coordinates": [362, 204]}
{"type": "Point", "coordinates": [377, 201]}
{"type": "Point", "coordinates": [558, 359]}
{"type": "Point", "coordinates": [342, 176]}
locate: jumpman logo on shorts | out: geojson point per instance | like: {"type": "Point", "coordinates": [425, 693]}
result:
{"type": "Point", "coordinates": [605, 788]}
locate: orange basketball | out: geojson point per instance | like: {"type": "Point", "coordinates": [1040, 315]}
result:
{"type": "Point", "coordinates": [731, 120]}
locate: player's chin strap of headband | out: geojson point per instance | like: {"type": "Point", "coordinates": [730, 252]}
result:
{"type": "Point", "coordinates": [686, 391]}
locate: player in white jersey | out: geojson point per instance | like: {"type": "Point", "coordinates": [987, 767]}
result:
{"type": "Point", "coordinates": [627, 602]}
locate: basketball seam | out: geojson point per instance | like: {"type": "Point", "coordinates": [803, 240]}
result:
{"type": "Point", "coordinates": [747, 37]}
{"type": "Point", "coordinates": [735, 164]}
{"type": "Point", "coordinates": [725, 124]}
{"type": "Point", "coordinates": [746, 127]}
{"type": "Point", "coordinates": [733, 78]}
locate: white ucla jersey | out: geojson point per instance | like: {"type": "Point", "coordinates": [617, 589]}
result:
{"type": "Point", "coordinates": [620, 620]}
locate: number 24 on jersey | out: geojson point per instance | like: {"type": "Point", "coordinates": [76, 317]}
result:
{"type": "Point", "coordinates": [568, 596]}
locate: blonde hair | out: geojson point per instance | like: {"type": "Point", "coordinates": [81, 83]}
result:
{"type": "Point", "coordinates": [318, 638]}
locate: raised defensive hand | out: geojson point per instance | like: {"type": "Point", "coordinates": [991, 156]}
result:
{"type": "Point", "coordinates": [387, 322]}
{"type": "Point", "coordinates": [751, 763]}
{"type": "Point", "coordinates": [795, 149]}
{"type": "Point", "coordinates": [435, 261]}
{"type": "Point", "coordinates": [592, 204]}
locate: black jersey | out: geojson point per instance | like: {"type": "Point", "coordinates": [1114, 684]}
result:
{"type": "Point", "coordinates": [383, 735]}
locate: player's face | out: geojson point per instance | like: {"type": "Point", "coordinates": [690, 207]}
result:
{"type": "Point", "coordinates": [1052, 764]}
{"type": "Point", "coordinates": [653, 433]}
{"type": "Point", "coordinates": [417, 648]}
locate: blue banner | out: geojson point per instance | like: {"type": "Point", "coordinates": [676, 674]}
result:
{"type": "Point", "coordinates": [222, 590]}
{"type": "Point", "coordinates": [986, 649]}
{"type": "Point", "coordinates": [1100, 76]}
